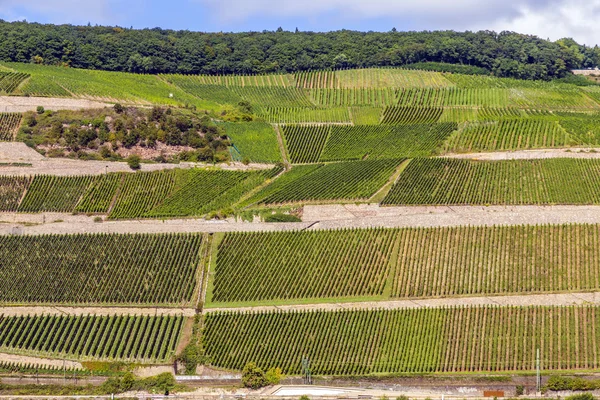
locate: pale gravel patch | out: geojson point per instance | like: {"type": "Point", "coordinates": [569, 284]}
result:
{"type": "Point", "coordinates": [550, 299]}
{"type": "Point", "coordinates": [23, 104]}
{"type": "Point", "coordinates": [81, 311]}
{"type": "Point", "coordinates": [39, 361]}
{"type": "Point", "coordinates": [573, 152]}
{"type": "Point", "coordinates": [17, 152]}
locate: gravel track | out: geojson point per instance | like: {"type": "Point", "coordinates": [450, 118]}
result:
{"type": "Point", "coordinates": [317, 217]}
{"type": "Point", "coordinates": [27, 360]}
{"type": "Point", "coordinates": [551, 299]}
{"type": "Point", "coordinates": [573, 152]}
{"type": "Point", "coordinates": [78, 311]}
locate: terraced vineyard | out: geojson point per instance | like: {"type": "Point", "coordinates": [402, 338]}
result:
{"type": "Point", "coordinates": [12, 190]}
{"type": "Point", "coordinates": [353, 180]}
{"type": "Point", "coordinates": [9, 81]}
{"type": "Point", "coordinates": [352, 136]}
{"type": "Point", "coordinates": [254, 141]}
{"type": "Point", "coordinates": [450, 181]}
{"type": "Point", "coordinates": [405, 263]}
{"type": "Point", "coordinates": [260, 266]}
{"type": "Point", "coordinates": [305, 142]}
{"type": "Point", "coordinates": [509, 134]}
{"type": "Point", "coordinates": [9, 124]}
{"type": "Point", "coordinates": [406, 340]}
{"type": "Point", "coordinates": [99, 269]}
{"type": "Point", "coordinates": [281, 115]}
{"type": "Point", "coordinates": [55, 193]}
{"type": "Point", "coordinates": [123, 337]}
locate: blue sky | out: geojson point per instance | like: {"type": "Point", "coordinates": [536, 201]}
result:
{"type": "Point", "coordinates": [546, 18]}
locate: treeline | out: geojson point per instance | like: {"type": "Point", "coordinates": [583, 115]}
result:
{"type": "Point", "coordinates": [167, 51]}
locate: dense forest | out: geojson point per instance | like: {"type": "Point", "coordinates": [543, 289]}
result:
{"type": "Point", "coordinates": [167, 51]}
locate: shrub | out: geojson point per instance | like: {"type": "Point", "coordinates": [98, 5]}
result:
{"type": "Point", "coordinates": [134, 161]}
{"type": "Point", "coordinates": [273, 376]}
{"type": "Point", "coordinates": [40, 110]}
{"type": "Point", "coordinates": [280, 217]}
{"type": "Point", "coordinates": [191, 357]}
{"type": "Point", "coordinates": [253, 377]}
{"type": "Point", "coordinates": [402, 397]}
{"type": "Point", "coordinates": [520, 390]}
{"type": "Point", "coordinates": [118, 108]}
{"type": "Point", "coordinates": [582, 396]}
{"type": "Point", "coordinates": [97, 219]}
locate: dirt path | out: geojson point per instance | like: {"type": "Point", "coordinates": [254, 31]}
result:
{"type": "Point", "coordinates": [27, 360]}
{"type": "Point", "coordinates": [282, 147]}
{"type": "Point", "coordinates": [552, 299]}
{"type": "Point", "coordinates": [14, 152]}
{"type": "Point", "coordinates": [23, 104]}
{"type": "Point", "coordinates": [317, 217]}
{"type": "Point", "coordinates": [59, 310]}
{"type": "Point", "coordinates": [574, 152]}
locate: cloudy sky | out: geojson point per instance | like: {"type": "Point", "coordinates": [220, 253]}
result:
{"type": "Point", "coordinates": [552, 19]}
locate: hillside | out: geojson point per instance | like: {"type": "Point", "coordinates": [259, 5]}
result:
{"type": "Point", "coordinates": [430, 225]}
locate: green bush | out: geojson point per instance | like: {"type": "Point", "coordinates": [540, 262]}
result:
{"type": "Point", "coordinates": [273, 376]}
{"type": "Point", "coordinates": [557, 383]}
{"type": "Point", "coordinates": [280, 217]}
{"type": "Point", "coordinates": [253, 377]}
{"type": "Point", "coordinates": [134, 161]}
{"type": "Point", "coordinates": [40, 110]}
{"type": "Point", "coordinates": [520, 390]}
{"type": "Point", "coordinates": [191, 357]}
{"type": "Point", "coordinates": [583, 396]}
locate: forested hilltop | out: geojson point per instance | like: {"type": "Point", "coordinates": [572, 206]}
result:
{"type": "Point", "coordinates": [504, 54]}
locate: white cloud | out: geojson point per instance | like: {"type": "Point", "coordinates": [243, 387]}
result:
{"type": "Point", "coordinates": [545, 18]}
{"type": "Point", "coordinates": [574, 18]}
{"type": "Point", "coordinates": [58, 11]}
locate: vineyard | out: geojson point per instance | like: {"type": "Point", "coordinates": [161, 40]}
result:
{"type": "Point", "coordinates": [405, 263]}
{"type": "Point", "coordinates": [353, 180]}
{"type": "Point", "coordinates": [9, 81]}
{"type": "Point", "coordinates": [99, 269]}
{"type": "Point", "coordinates": [509, 134]}
{"type": "Point", "coordinates": [55, 193]}
{"type": "Point", "coordinates": [294, 265]}
{"type": "Point", "coordinates": [123, 337]}
{"type": "Point", "coordinates": [9, 124]}
{"type": "Point", "coordinates": [314, 143]}
{"type": "Point", "coordinates": [407, 340]}
{"type": "Point", "coordinates": [255, 141]}
{"type": "Point", "coordinates": [12, 190]}
{"type": "Point", "coordinates": [439, 181]}
{"type": "Point", "coordinates": [164, 193]}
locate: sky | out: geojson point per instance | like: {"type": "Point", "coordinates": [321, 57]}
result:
{"type": "Point", "coordinates": [553, 19]}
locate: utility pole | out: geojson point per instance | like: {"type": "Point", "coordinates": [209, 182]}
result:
{"type": "Point", "coordinates": [306, 371]}
{"type": "Point", "coordinates": [538, 377]}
